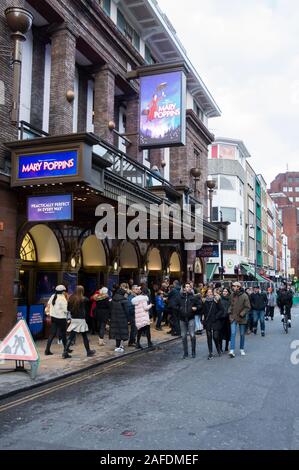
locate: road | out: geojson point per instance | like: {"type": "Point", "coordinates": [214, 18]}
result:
{"type": "Point", "coordinates": [156, 401]}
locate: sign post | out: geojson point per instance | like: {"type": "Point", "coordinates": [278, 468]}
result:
{"type": "Point", "coordinates": [19, 346]}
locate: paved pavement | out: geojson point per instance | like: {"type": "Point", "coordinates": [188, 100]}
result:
{"type": "Point", "coordinates": [158, 401]}
{"type": "Point", "coordinates": [54, 367]}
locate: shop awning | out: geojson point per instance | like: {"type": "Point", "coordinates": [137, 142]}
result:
{"type": "Point", "coordinates": [211, 268]}
{"type": "Point", "coordinates": [247, 269]}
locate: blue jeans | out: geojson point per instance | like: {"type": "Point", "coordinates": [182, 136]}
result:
{"type": "Point", "coordinates": [198, 325]}
{"type": "Point", "coordinates": [233, 329]}
{"type": "Point", "coordinates": [259, 315]}
{"type": "Point", "coordinates": [159, 318]}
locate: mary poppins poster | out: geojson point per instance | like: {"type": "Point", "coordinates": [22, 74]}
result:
{"type": "Point", "coordinates": [162, 110]}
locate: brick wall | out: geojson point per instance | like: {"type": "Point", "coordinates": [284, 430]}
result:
{"type": "Point", "coordinates": [62, 80]}
{"type": "Point", "coordinates": [104, 106]}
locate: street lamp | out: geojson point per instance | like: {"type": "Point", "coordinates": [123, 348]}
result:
{"type": "Point", "coordinates": [19, 22]}
{"type": "Point", "coordinates": [211, 184]}
{"type": "Point", "coordinates": [196, 173]}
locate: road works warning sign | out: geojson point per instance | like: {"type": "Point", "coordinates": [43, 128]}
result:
{"type": "Point", "coordinates": [19, 345]}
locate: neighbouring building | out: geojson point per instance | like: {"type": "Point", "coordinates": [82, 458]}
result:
{"type": "Point", "coordinates": [284, 190]}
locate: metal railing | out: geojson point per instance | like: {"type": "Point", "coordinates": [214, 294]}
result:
{"type": "Point", "coordinates": [27, 131]}
{"type": "Point", "coordinates": [128, 168]}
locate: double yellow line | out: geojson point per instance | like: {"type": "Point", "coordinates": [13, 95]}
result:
{"type": "Point", "coordinates": [66, 383]}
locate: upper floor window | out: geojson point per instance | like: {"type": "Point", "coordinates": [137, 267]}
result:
{"type": "Point", "coordinates": [128, 30]}
{"type": "Point", "coordinates": [106, 5]}
{"type": "Point", "coordinates": [228, 182]}
{"type": "Point", "coordinates": [229, 214]}
{"type": "Point", "coordinates": [148, 56]}
{"type": "Point", "coordinates": [285, 189]}
{"type": "Point", "coordinates": [198, 111]}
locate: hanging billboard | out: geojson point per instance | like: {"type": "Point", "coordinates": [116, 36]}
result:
{"type": "Point", "coordinates": [50, 208]}
{"type": "Point", "coordinates": [162, 118]}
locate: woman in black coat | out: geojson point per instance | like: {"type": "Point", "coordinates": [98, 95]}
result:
{"type": "Point", "coordinates": [119, 318]}
{"type": "Point", "coordinates": [212, 320]}
{"type": "Point", "coordinates": [102, 311]}
{"type": "Point", "coordinates": [225, 329]}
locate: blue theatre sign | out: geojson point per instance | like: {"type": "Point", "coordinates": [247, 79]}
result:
{"type": "Point", "coordinates": [49, 160]}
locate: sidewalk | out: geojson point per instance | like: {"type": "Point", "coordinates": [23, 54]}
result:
{"type": "Point", "coordinates": [52, 368]}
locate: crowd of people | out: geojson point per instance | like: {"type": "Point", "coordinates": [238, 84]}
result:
{"type": "Point", "coordinates": [127, 312]}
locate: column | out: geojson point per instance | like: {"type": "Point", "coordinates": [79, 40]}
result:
{"type": "Point", "coordinates": [38, 79]}
{"type": "Point", "coordinates": [104, 93]}
{"type": "Point", "coordinates": [133, 128]}
{"type": "Point", "coordinates": [62, 80]}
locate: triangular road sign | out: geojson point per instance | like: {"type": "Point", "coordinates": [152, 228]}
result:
{"type": "Point", "coordinates": [18, 345]}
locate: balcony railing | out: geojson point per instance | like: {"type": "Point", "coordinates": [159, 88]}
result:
{"type": "Point", "coordinates": [27, 131]}
{"type": "Point", "coordinates": [128, 168]}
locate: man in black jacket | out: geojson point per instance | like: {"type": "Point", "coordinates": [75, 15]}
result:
{"type": "Point", "coordinates": [258, 301]}
{"type": "Point", "coordinates": [285, 302]}
{"type": "Point", "coordinates": [188, 305]}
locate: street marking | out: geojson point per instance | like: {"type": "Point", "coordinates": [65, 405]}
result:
{"type": "Point", "coordinates": [53, 389]}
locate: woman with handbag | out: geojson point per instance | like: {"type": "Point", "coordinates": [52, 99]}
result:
{"type": "Point", "coordinates": [57, 309]}
{"type": "Point", "coordinates": [78, 307]}
{"type": "Point", "coordinates": [212, 320]}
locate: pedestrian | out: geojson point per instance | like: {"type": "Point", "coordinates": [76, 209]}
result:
{"type": "Point", "coordinates": [135, 290]}
{"type": "Point", "coordinates": [212, 320]}
{"type": "Point", "coordinates": [238, 310]}
{"type": "Point", "coordinates": [286, 302]}
{"type": "Point", "coordinates": [78, 307]}
{"type": "Point", "coordinates": [173, 297]}
{"type": "Point", "coordinates": [249, 326]}
{"type": "Point", "coordinates": [142, 318]}
{"type": "Point", "coordinates": [225, 331]}
{"type": "Point", "coordinates": [187, 306]}
{"type": "Point", "coordinates": [270, 304]}
{"type": "Point", "coordinates": [119, 318]}
{"type": "Point", "coordinates": [102, 312]}
{"type": "Point", "coordinates": [57, 308]}
{"type": "Point", "coordinates": [258, 302]}
{"type": "Point", "coordinates": [160, 305]}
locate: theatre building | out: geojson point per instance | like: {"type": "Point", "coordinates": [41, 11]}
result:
{"type": "Point", "coordinates": [78, 133]}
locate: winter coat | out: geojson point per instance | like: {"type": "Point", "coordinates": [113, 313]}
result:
{"type": "Point", "coordinates": [285, 298]}
{"type": "Point", "coordinates": [271, 299]}
{"type": "Point", "coordinates": [80, 310]}
{"type": "Point", "coordinates": [225, 301]}
{"type": "Point", "coordinates": [141, 304]}
{"type": "Point", "coordinates": [213, 314]}
{"type": "Point", "coordinates": [160, 305]}
{"type": "Point", "coordinates": [103, 308]}
{"type": "Point", "coordinates": [119, 316]}
{"type": "Point", "coordinates": [258, 301]}
{"type": "Point", "coordinates": [173, 297]}
{"type": "Point", "coordinates": [59, 309]}
{"type": "Point", "coordinates": [185, 304]}
{"type": "Point", "coordinates": [239, 307]}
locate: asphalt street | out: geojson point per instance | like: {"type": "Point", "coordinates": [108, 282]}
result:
{"type": "Point", "coordinates": [157, 401]}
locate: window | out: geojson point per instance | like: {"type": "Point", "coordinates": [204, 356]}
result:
{"type": "Point", "coordinates": [290, 180]}
{"type": "Point", "coordinates": [198, 111]}
{"type": "Point", "coordinates": [228, 182]}
{"type": "Point", "coordinates": [291, 199]}
{"type": "Point", "coordinates": [297, 189]}
{"type": "Point", "coordinates": [148, 56]}
{"type": "Point", "coordinates": [106, 5]}
{"type": "Point", "coordinates": [290, 190]}
{"type": "Point", "coordinates": [241, 188]}
{"type": "Point", "coordinates": [127, 30]}
{"type": "Point", "coordinates": [297, 199]}
{"type": "Point", "coordinates": [230, 245]}
{"type": "Point", "coordinates": [285, 190]}
{"type": "Point", "coordinates": [27, 250]}
{"type": "Point", "coordinates": [250, 204]}
{"type": "Point", "coordinates": [215, 214]}
{"type": "Point", "coordinates": [228, 214]}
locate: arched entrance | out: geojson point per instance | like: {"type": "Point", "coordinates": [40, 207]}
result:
{"type": "Point", "coordinates": [154, 266]}
{"type": "Point", "coordinates": [40, 265]}
{"type": "Point", "coordinates": [93, 265]}
{"type": "Point", "coordinates": [175, 267]}
{"type": "Point", "coordinates": [128, 263]}
{"type": "Point", "coordinates": [198, 271]}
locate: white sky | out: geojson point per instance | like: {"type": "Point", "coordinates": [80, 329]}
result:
{"type": "Point", "coordinates": [247, 53]}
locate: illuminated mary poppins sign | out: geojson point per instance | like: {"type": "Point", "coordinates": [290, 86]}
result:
{"type": "Point", "coordinates": [48, 165]}
{"type": "Point", "coordinates": [162, 110]}
{"type": "Point", "coordinates": [50, 208]}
